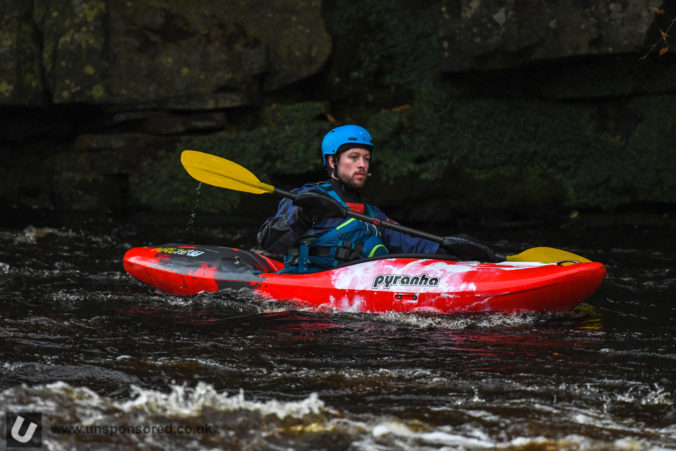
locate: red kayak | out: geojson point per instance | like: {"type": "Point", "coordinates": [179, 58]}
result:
{"type": "Point", "coordinates": [393, 283]}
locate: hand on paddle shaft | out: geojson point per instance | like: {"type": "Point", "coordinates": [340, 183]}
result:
{"type": "Point", "coordinates": [314, 205]}
{"type": "Point", "coordinates": [467, 248]}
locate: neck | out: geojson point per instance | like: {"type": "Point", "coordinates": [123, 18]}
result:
{"type": "Point", "coordinates": [345, 192]}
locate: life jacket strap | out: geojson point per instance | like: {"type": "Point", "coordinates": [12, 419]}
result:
{"type": "Point", "coordinates": [346, 251]}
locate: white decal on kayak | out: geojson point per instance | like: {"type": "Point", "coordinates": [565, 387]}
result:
{"type": "Point", "coordinates": [390, 280]}
{"type": "Point", "coordinates": [450, 277]}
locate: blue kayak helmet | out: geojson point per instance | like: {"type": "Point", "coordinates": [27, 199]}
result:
{"type": "Point", "coordinates": [345, 137]}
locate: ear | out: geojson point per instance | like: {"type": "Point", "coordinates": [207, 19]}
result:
{"type": "Point", "coordinates": [332, 161]}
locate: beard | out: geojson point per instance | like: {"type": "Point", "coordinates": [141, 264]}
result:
{"type": "Point", "coordinates": [353, 182]}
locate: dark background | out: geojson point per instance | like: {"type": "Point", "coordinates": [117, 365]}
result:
{"type": "Point", "coordinates": [485, 112]}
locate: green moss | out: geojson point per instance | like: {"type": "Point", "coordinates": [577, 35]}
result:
{"type": "Point", "coordinates": [505, 153]}
{"type": "Point", "coordinates": [165, 186]}
{"type": "Point", "coordinates": [293, 113]}
{"type": "Point", "coordinates": [291, 149]}
{"type": "Point", "coordinates": [652, 161]}
{"type": "Point", "coordinates": [93, 9]}
{"type": "Point", "coordinates": [6, 89]}
{"type": "Point", "coordinates": [378, 50]}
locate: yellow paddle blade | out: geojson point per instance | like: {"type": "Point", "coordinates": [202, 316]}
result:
{"type": "Point", "coordinates": [223, 173]}
{"type": "Point", "coordinates": [546, 255]}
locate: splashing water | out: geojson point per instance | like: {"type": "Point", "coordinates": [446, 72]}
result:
{"type": "Point", "coordinates": [86, 345]}
{"type": "Point", "coordinates": [193, 211]}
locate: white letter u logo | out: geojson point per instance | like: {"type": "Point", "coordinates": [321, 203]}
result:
{"type": "Point", "coordinates": [23, 438]}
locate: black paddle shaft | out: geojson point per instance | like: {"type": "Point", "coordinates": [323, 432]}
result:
{"type": "Point", "coordinates": [377, 222]}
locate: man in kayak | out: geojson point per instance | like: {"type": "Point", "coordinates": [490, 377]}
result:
{"type": "Point", "coordinates": [312, 231]}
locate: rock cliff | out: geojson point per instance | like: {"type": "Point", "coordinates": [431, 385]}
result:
{"type": "Point", "coordinates": [501, 109]}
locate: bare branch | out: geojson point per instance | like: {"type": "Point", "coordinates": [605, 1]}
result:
{"type": "Point", "coordinates": [663, 38]}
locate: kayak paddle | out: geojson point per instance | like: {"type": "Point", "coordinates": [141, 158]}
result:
{"type": "Point", "coordinates": [223, 173]}
{"type": "Point", "coordinates": [217, 171]}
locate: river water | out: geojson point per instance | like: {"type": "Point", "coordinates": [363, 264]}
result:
{"type": "Point", "coordinates": [109, 363]}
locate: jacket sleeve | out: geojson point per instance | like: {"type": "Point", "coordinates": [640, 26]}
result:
{"type": "Point", "coordinates": [399, 242]}
{"type": "Point", "coordinates": [283, 230]}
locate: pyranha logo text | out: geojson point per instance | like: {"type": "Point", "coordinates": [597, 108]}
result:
{"type": "Point", "coordinates": [390, 280]}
